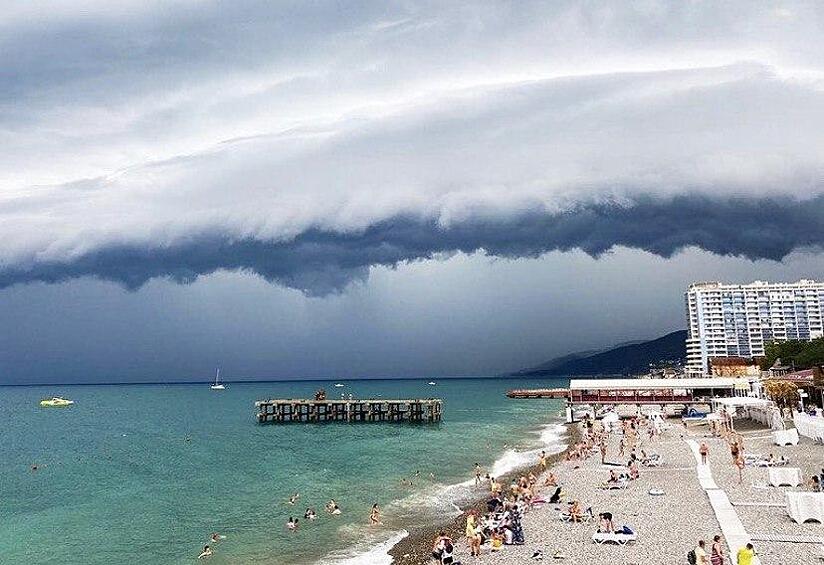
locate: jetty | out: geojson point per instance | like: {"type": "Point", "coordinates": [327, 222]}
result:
{"type": "Point", "coordinates": [538, 393]}
{"type": "Point", "coordinates": [284, 411]}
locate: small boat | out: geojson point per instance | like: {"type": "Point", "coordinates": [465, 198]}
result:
{"type": "Point", "coordinates": [217, 385]}
{"type": "Point", "coordinates": [56, 401]}
{"type": "Point", "coordinates": [338, 385]}
{"type": "Point", "coordinates": [433, 383]}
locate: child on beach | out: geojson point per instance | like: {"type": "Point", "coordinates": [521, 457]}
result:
{"type": "Point", "coordinates": [704, 450]}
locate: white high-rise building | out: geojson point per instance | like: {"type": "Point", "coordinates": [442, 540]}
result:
{"type": "Point", "coordinates": [737, 320]}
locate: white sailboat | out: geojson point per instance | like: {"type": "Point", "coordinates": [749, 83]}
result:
{"type": "Point", "coordinates": [217, 385]}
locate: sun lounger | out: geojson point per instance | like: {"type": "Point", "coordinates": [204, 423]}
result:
{"type": "Point", "coordinates": [773, 463]}
{"type": "Point", "coordinates": [622, 484]}
{"type": "Point", "coordinates": [619, 538]}
{"type": "Point", "coordinates": [586, 517]}
{"type": "Point", "coordinates": [652, 461]}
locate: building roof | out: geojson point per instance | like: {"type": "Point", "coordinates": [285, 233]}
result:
{"type": "Point", "coordinates": [742, 401]}
{"type": "Point", "coordinates": [805, 376]}
{"type": "Point", "coordinates": [732, 361]}
{"type": "Point", "coordinates": [651, 384]}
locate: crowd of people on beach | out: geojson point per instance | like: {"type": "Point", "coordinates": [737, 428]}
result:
{"type": "Point", "coordinates": [500, 525]}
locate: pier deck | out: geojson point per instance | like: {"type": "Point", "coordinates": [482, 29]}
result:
{"type": "Point", "coordinates": [294, 410]}
{"type": "Point", "coordinates": [538, 393]}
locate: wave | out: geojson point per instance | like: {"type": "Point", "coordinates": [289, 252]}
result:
{"type": "Point", "coordinates": [368, 552]}
{"type": "Point", "coordinates": [445, 500]}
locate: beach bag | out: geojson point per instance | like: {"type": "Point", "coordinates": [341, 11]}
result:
{"type": "Point", "coordinates": [691, 558]}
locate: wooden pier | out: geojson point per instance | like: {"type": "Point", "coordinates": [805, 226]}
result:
{"type": "Point", "coordinates": [538, 393]}
{"type": "Point", "coordinates": [284, 411]}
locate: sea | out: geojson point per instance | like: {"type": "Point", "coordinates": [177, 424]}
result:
{"type": "Point", "coordinates": [143, 474]}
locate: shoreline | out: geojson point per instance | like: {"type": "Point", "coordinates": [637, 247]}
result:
{"type": "Point", "coordinates": [416, 547]}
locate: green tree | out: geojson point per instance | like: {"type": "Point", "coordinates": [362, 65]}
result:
{"type": "Point", "coordinates": [800, 354]}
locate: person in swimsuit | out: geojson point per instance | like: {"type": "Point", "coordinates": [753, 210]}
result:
{"type": "Point", "coordinates": [207, 552]}
{"type": "Point", "coordinates": [375, 515]}
{"type": "Point", "coordinates": [735, 450]}
{"type": "Point", "coordinates": [473, 535]}
{"type": "Point", "coordinates": [717, 551]}
{"type": "Point", "coordinates": [704, 450]}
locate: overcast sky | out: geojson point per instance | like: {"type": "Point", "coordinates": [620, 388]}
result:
{"type": "Point", "coordinates": [305, 189]}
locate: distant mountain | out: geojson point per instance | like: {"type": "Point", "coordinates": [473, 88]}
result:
{"type": "Point", "coordinates": [625, 359]}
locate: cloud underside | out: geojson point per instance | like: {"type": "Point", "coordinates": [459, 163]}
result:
{"type": "Point", "coordinates": [319, 262]}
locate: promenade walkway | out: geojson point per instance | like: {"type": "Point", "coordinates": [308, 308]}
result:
{"type": "Point", "coordinates": [732, 528]}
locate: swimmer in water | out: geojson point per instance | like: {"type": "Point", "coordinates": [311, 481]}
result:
{"type": "Point", "coordinates": [375, 515]}
{"type": "Point", "coordinates": [310, 514]}
{"type": "Point", "coordinates": [292, 524]}
{"type": "Point", "coordinates": [215, 537]}
{"type": "Point", "coordinates": [332, 507]}
{"type": "Point", "coordinates": [294, 498]}
{"type": "Point", "coordinates": [207, 552]}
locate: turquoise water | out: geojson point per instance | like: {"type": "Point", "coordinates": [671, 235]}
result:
{"type": "Point", "coordinates": [143, 474]}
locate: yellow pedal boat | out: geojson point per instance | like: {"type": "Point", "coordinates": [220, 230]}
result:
{"type": "Point", "coordinates": [56, 401]}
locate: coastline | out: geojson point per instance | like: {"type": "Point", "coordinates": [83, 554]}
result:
{"type": "Point", "coordinates": [416, 547]}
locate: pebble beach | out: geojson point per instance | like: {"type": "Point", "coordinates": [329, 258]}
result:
{"type": "Point", "coordinates": [667, 525]}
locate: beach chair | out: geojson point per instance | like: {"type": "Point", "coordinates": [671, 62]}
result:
{"type": "Point", "coordinates": [652, 461]}
{"type": "Point", "coordinates": [587, 517]}
{"type": "Point", "coordinates": [752, 459]}
{"type": "Point", "coordinates": [617, 485]}
{"type": "Point", "coordinates": [617, 538]}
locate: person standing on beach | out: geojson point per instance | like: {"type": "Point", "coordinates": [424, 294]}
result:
{"type": "Point", "coordinates": [704, 450]}
{"type": "Point", "coordinates": [734, 451]}
{"type": "Point", "coordinates": [542, 460]}
{"type": "Point", "coordinates": [717, 551]}
{"type": "Point", "coordinates": [375, 515]}
{"type": "Point", "coordinates": [603, 446]}
{"type": "Point", "coordinates": [477, 474]}
{"type": "Point", "coordinates": [745, 555]}
{"type": "Point", "coordinates": [473, 535]}
{"type": "Point", "coordinates": [701, 554]}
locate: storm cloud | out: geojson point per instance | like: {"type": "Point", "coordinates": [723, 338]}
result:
{"type": "Point", "coordinates": [317, 144]}
{"type": "Point", "coordinates": [318, 262]}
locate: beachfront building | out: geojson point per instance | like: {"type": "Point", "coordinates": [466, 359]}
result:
{"type": "Point", "coordinates": [670, 396]}
{"type": "Point", "coordinates": [737, 320]}
{"type": "Point", "coordinates": [734, 367]}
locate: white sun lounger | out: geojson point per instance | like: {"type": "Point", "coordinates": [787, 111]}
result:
{"type": "Point", "coordinates": [615, 486]}
{"type": "Point", "coordinates": [620, 539]}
